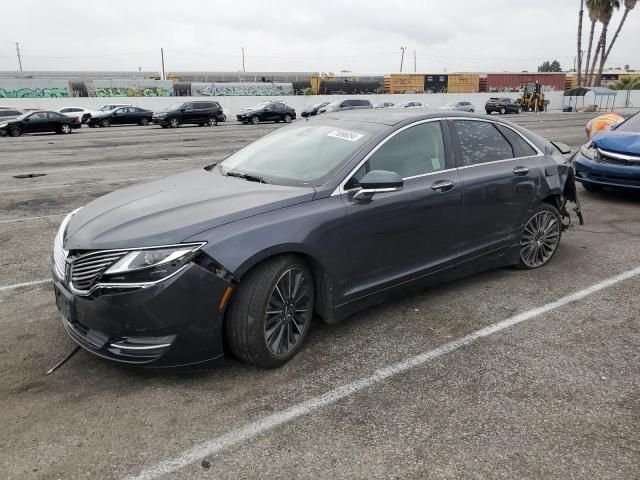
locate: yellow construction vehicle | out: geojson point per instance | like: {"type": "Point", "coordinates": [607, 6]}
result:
{"type": "Point", "coordinates": [532, 98]}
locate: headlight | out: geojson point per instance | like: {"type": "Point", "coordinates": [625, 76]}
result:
{"type": "Point", "coordinates": [151, 265]}
{"type": "Point", "coordinates": [59, 253]}
{"type": "Point", "coordinates": [159, 114]}
{"type": "Point", "coordinates": [2, 125]}
{"type": "Point", "coordinates": [590, 151]}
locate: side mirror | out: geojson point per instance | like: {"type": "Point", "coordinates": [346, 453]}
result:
{"type": "Point", "coordinates": [378, 181]}
{"type": "Point", "coordinates": [564, 148]}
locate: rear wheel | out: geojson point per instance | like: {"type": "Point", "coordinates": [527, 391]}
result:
{"type": "Point", "coordinates": [212, 122]}
{"type": "Point", "coordinates": [540, 237]}
{"type": "Point", "coordinates": [270, 314]}
{"type": "Point", "coordinates": [144, 121]}
{"type": "Point", "coordinates": [288, 118]}
{"type": "Point", "coordinates": [255, 120]}
{"type": "Point", "coordinates": [105, 123]}
{"type": "Point", "coordinates": [15, 131]}
{"type": "Point", "coordinates": [488, 112]}
{"type": "Point", "coordinates": [503, 111]}
{"type": "Point", "coordinates": [65, 129]}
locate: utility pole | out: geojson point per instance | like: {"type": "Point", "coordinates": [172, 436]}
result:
{"type": "Point", "coordinates": [415, 63]}
{"type": "Point", "coordinates": [19, 57]}
{"type": "Point", "coordinates": [402, 57]}
{"type": "Point", "coordinates": [162, 56]}
{"type": "Point", "coordinates": [243, 60]}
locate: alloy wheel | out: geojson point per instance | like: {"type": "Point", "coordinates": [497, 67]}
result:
{"type": "Point", "coordinates": [212, 122]}
{"type": "Point", "coordinates": [174, 123]}
{"type": "Point", "coordinates": [289, 312]}
{"type": "Point", "coordinates": [65, 129]}
{"type": "Point", "coordinates": [255, 120]}
{"type": "Point", "coordinates": [540, 239]}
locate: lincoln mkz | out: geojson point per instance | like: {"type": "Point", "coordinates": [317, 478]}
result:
{"type": "Point", "coordinates": [321, 218]}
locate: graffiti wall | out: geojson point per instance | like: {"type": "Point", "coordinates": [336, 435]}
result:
{"type": "Point", "coordinates": [131, 88]}
{"type": "Point", "coordinates": [30, 88]}
{"type": "Point", "coordinates": [241, 89]}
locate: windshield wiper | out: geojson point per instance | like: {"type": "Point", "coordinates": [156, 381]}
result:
{"type": "Point", "coordinates": [246, 176]}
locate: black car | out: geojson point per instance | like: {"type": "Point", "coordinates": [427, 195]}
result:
{"type": "Point", "coordinates": [199, 113]}
{"type": "Point", "coordinates": [502, 105]}
{"type": "Point", "coordinates": [39, 121]}
{"type": "Point", "coordinates": [312, 110]}
{"type": "Point", "coordinates": [321, 218]}
{"type": "Point", "coordinates": [267, 112]}
{"type": "Point", "coordinates": [121, 116]}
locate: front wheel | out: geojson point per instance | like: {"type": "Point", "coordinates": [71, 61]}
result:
{"type": "Point", "coordinates": [15, 131]}
{"type": "Point", "coordinates": [540, 237]}
{"type": "Point", "coordinates": [255, 120]}
{"type": "Point", "coordinates": [271, 312]}
{"type": "Point", "coordinates": [174, 123]}
{"type": "Point", "coordinates": [488, 112]}
{"type": "Point", "coordinates": [503, 111]}
{"type": "Point", "coordinates": [592, 187]}
{"type": "Point", "coordinates": [105, 123]}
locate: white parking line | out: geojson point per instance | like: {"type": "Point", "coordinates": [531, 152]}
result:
{"type": "Point", "coordinates": [28, 219]}
{"type": "Point", "coordinates": [264, 424]}
{"type": "Point", "coordinates": [44, 187]}
{"type": "Point", "coordinates": [6, 288]}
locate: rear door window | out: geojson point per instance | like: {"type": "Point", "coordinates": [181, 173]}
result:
{"type": "Point", "coordinates": [480, 142]}
{"type": "Point", "coordinates": [520, 146]}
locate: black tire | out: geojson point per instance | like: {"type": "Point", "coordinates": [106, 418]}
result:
{"type": "Point", "coordinates": [544, 243]}
{"type": "Point", "coordinates": [287, 118]}
{"type": "Point", "coordinates": [255, 120]}
{"type": "Point", "coordinates": [91, 125]}
{"type": "Point", "coordinates": [106, 123]}
{"type": "Point", "coordinates": [592, 187]}
{"type": "Point", "coordinates": [222, 118]}
{"type": "Point", "coordinates": [248, 316]}
{"type": "Point", "coordinates": [488, 112]}
{"type": "Point", "coordinates": [212, 121]}
{"type": "Point", "coordinates": [144, 121]}
{"type": "Point", "coordinates": [173, 122]}
{"type": "Point", "coordinates": [503, 111]}
{"type": "Point", "coordinates": [15, 132]}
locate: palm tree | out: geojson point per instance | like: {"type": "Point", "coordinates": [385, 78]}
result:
{"type": "Point", "coordinates": [628, 6]}
{"type": "Point", "coordinates": [579, 65]}
{"type": "Point", "coordinates": [593, 8]}
{"type": "Point", "coordinates": [605, 18]}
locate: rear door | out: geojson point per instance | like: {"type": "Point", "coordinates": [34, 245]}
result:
{"type": "Point", "coordinates": [500, 184]}
{"type": "Point", "coordinates": [402, 236]}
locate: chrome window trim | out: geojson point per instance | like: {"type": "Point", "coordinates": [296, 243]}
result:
{"type": "Point", "coordinates": [339, 190]}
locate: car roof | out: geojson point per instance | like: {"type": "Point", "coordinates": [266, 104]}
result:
{"type": "Point", "coordinates": [391, 117]}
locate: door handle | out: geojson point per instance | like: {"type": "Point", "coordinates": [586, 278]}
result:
{"type": "Point", "coordinates": [442, 185]}
{"type": "Point", "coordinates": [520, 171]}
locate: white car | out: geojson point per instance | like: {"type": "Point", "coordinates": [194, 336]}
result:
{"type": "Point", "coordinates": [410, 104]}
{"type": "Point", "coordinates": [82, 114]}
{"type": "Point", "coordinates": [459, 107]}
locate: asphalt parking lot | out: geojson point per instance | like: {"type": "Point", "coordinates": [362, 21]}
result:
{"type": "Point", "coordinates": [548, 393]}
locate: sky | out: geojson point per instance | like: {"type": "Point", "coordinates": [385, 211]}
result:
{"type": "Point", "coordinates": [318, 36]}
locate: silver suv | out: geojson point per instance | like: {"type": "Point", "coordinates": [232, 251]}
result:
{"type": "Point", "coordinates": [340, 105]}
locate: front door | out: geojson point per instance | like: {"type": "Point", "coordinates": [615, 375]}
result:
{"type": "Point", "coordinates": [38, 122]}
{"type": "Point", "coordinates": [401, 236]}
{"type": "Point", "coordinates": [500, 183]}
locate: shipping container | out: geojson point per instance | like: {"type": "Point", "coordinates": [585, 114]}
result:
{"type": "Point", "coordinates": [404, 83]}
{"type": "Point", "coordinates": [513, 82]}
{"type": "Point", "coordinates": [463, 83]}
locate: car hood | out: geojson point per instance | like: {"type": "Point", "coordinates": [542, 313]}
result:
{"type": "Point", "coordinates": [621, 142]}
{"type": "Point", "coordinates": [172, 209]}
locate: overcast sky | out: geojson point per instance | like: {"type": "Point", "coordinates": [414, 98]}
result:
{"type": "Point", "coordinates": [322, 35]}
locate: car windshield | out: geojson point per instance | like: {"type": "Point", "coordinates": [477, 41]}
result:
{"type": "Point", "coordinates": [23, 116]}
{"type": "Point", "coordinates": [335, 103]}
{"type": "Point", "coordinates": [451, 105]}
{"type": "Point", "coordinates": [106, 108]}
{"type": "Point", "coordinates": [631, 124]}
{"type": "Point", "coordinates": [300, 156]}
{"type": "Point", "coordinates": [259, 106]}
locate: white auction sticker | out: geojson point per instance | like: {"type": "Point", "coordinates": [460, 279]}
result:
{"type": "Point", "coordinates": [346, 135]}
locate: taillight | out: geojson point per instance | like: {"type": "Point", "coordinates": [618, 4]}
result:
{"type": "Point", "coordinates": [76, 120]}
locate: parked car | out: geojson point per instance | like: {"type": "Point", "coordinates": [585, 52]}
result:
{"type": "Point", "coordinates": [82, 113]}
{"type": "Point", "coordinates": [459, 106]}
{"type": "Point", "coordinates": [121, 116]}
{"type": "Point", "coordinates": [41, 121]}
{"type": "Point", "coordinates": [383, 105]}
{"type": "Point", "coordinates": [267, 112]}
{"type": "Point", "coordinates": [199, 113]}
{"type": "Point", "coordinates": [319, 218]}
{"type": "Point", "coordinates": [9, 114]}
{"type": "Point", "coordinates": [411, 104]}
{"type": "Point", "coordinates": [501, 105]}
{"type": "Point", "coordinates": [340, 105]}
{"type": "Point", "coordinates": [112, 106]}
{"type": "Point", "coordinates": [611, 158]}
{"type": "Point", "coordinates": [312, 110]}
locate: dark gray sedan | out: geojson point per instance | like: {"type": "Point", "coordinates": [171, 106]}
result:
{"type": "Point", "coordinates": [320, 218]}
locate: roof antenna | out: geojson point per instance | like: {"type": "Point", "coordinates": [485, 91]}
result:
{"type": "Point", "coordinates": [63, 361]}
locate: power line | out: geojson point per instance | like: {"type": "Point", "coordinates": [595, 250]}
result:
{"type": "Point", "coordinates": [19, 58]}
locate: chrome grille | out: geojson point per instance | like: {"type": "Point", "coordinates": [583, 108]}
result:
{"type": "Point", "coordinates": [86, 269]}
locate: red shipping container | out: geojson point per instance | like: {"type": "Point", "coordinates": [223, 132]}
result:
{"type": "Point", "coordinates": [515, 81]}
